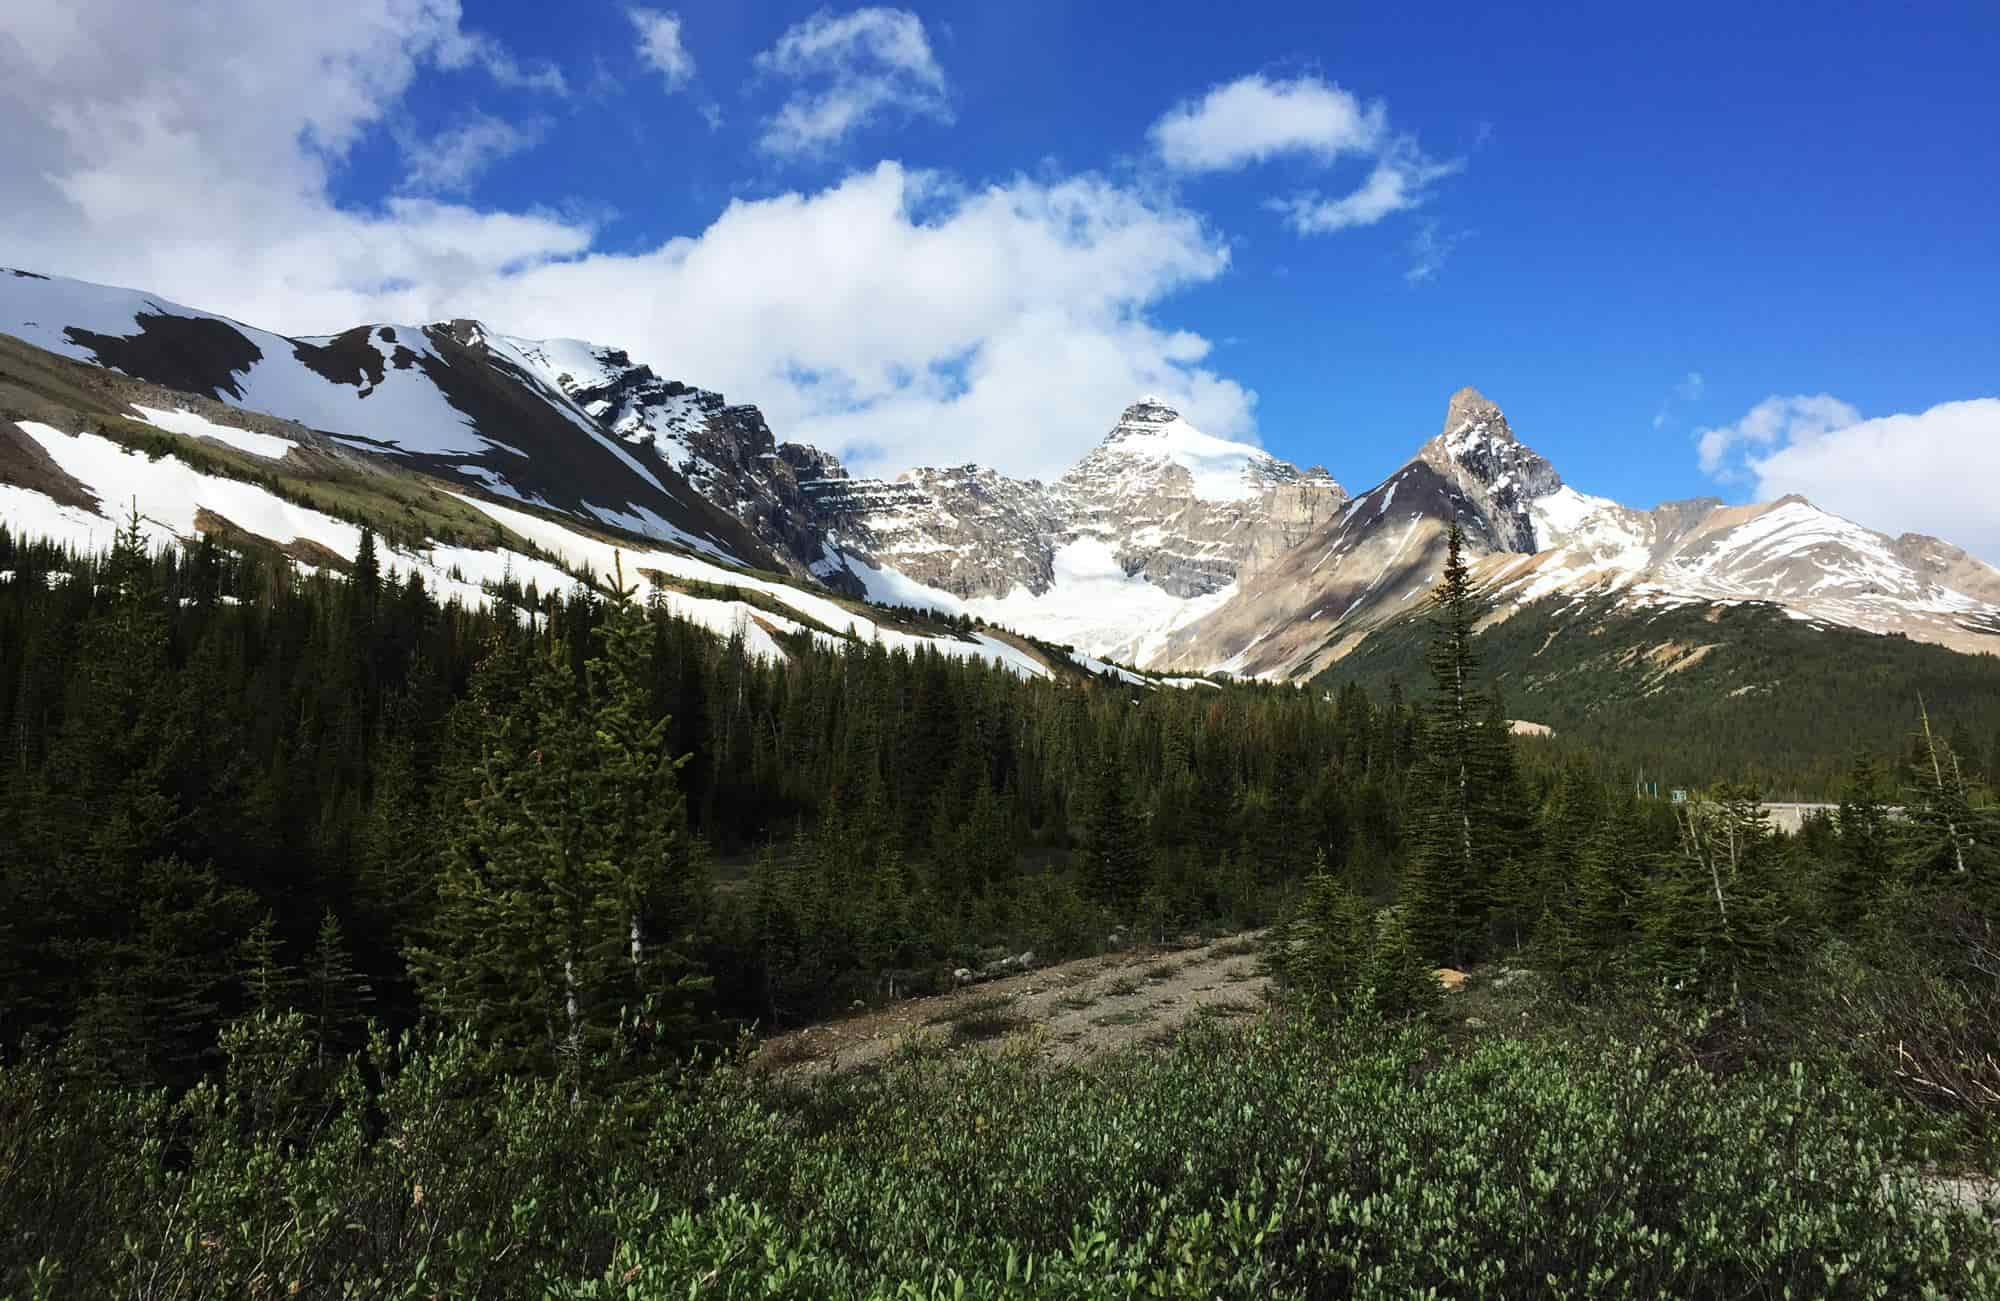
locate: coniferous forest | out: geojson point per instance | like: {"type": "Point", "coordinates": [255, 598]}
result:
{"type": "Point", "coordinates": [355, 945]}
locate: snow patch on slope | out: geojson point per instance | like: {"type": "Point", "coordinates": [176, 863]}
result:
{"type": "Point", "coordinates": [197, 426]}
{"type": "Point", "coordinates": [1558, 515]}
{"type": "Point", "coordinates": [599, 557]}
{"type": "Point", "coordinates": [887, 586]}
{"type": "Point", "coordinates": [169, 494]}
{"type": "Point", "coordinates": [1151, 433]}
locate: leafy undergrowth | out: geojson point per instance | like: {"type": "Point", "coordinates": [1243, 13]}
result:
{"type": "Point", "coordinates": [1260, 1158]}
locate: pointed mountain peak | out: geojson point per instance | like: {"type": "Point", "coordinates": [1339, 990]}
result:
{"type": "Point", "coordinates": [1498, 474]}
{"type": "Point", "coordinates": [1471, 411]}
{"type": "Point", "coordinates": [1148, 415]}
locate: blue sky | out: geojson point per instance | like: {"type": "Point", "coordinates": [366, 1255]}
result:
{"type": "Point", "coordinates": [1628, 226]}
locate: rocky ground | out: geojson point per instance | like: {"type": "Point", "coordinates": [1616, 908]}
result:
{"type": "Point", "coordinates": [1062, 1011]}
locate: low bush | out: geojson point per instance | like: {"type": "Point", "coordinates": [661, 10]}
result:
{"type": "Point", "coordinates": [1260, 1159]}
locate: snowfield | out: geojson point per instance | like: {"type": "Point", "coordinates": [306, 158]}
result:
{"type": "Point", "coordinates": [1095, 605]}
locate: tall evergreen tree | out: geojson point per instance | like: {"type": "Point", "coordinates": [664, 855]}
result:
{"type": "Point", "coordinates": [1115, 871]}
{"type": "Point", "coordinates": [1863, 858]}
{"type": "Point", "coordinates": [1463, 779]}
{"type": "Point", "coordinates": [570, 895]}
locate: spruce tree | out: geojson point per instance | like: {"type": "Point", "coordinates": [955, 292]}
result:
{"type": "Point", "coordinates": [1114, 856]}
{"type": "Point", "coordinates": [571, 895]}
{"type": "Point", "coordinates": [1459, 778]}
{"type": "Point", "coordinates": [1399, 981]}
{"type": "Point", "coordinates": [1322, 948]}
{"type": "Point", "coordinates": [1941, 844]}
{"type": "Point", "coordinates": [336, 996]}
{"type": "Point", "coordinates": [269, 986]}
{"type": "Point", "coordinates": [1863, 858]}
{"type": "Point", "coordinates": [1714, 917]}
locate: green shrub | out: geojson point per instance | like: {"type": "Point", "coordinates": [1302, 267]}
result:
{"type": "Point", "coordinates": [1271, 1158]}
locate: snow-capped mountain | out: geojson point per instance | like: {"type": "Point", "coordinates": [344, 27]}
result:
{"type": "Point", "coordinates": [452, 399]}
{"type": "Point", "coordinates": [1163, 546]}
{"type": "Point", "coordinates": [1534, 537]}
{"type": "Point", "coordinates": [82, 449]}
{"type": "Point", "coordinates": [1191, 512]}
{"type": "Point", "coordinates": [1147, 531]}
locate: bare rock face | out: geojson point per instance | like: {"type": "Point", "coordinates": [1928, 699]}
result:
{"type": "Point", "coordinates": [727, 453]}
{"type": "Point", "coordinates": [964, 529]}
{"type": "Point", "coordinates": [1188, 512]}
{"type": "Point", "coordinates": [1191, 512]}
{"type": "Point", "coordinates": [1478, 455]}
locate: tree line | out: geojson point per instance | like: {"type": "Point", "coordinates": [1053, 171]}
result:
{"type": "Point", "coordinates": [228, 787]}
{"type": "Point", "coordinates": [588, 828]}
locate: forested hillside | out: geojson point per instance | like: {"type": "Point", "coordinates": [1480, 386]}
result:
{"type": "Point", "coordinates": [1701, 693]}
{"type": "Point", "coordinates": [306, 750]}
{"type": "Point", "coordinates": [355, 944]}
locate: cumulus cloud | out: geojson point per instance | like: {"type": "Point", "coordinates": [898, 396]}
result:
{"type": "Point", "coordinates": [660, 46]}
{"type": "Point", "coordinates": [1254, 119]}
{"type": "Point", "coordinates": [894, 316]}
{"type": "Point", "coordinates": [144, 151]}
{"type": "Point", "coordinates": [453, 159]}
{"type": "Point", "coordinates": [850, 70]}
{"type": "Point", "coordinates": [1929, 472]}
{"type": "Point", "coordinates": [1776, 421]}
{"type": "Point", "coordinates": [899, 318]}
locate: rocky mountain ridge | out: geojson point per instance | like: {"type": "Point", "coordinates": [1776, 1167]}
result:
{"type": "Point", "coordinates": [1532, 537]}
{"type": "Point", "coordinates": [1185, 511]}
{"type": "Point", "coordinates": [1163, 546]}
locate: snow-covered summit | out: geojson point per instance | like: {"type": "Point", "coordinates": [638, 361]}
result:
{"type": "Point", "coordinates": [1151, 436]}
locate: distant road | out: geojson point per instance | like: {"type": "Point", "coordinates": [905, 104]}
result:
{"type": "Point", "coordinates": [1791, 818]}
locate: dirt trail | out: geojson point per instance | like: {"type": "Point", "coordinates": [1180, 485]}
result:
{"type": "Point", "coordinates": [1065, 1010]}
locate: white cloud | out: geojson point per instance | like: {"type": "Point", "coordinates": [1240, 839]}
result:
{"type": "Point", "coordinates": [458, 48]}
{"type": "Point", "coordinates": [854, 69]}
{"type": "Point", "coordinates": [660, 46]}
{"type": "Point", "coordinates": [899, 319]}
{"type": "Point", "coordinates": [1690, 389]}
{"type": "Point", "coordinates": [1401, 179]}
{"type": "Point", "coordinates": [144, 151]}
{"type": "Point", "coordinates": [1774, 421]}
{"type": "Point", "coordinates": [1254, 119]}
{"type": "Point", "coordinates": [452, 160]}
{"type": "Point", "coordinates": [896, 317]}
{"type": "Point", "coordinates": [1930, 472]}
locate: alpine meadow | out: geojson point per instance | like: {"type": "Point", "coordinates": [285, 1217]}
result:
{"type": "Point", "coordinates": [1048, 788]}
